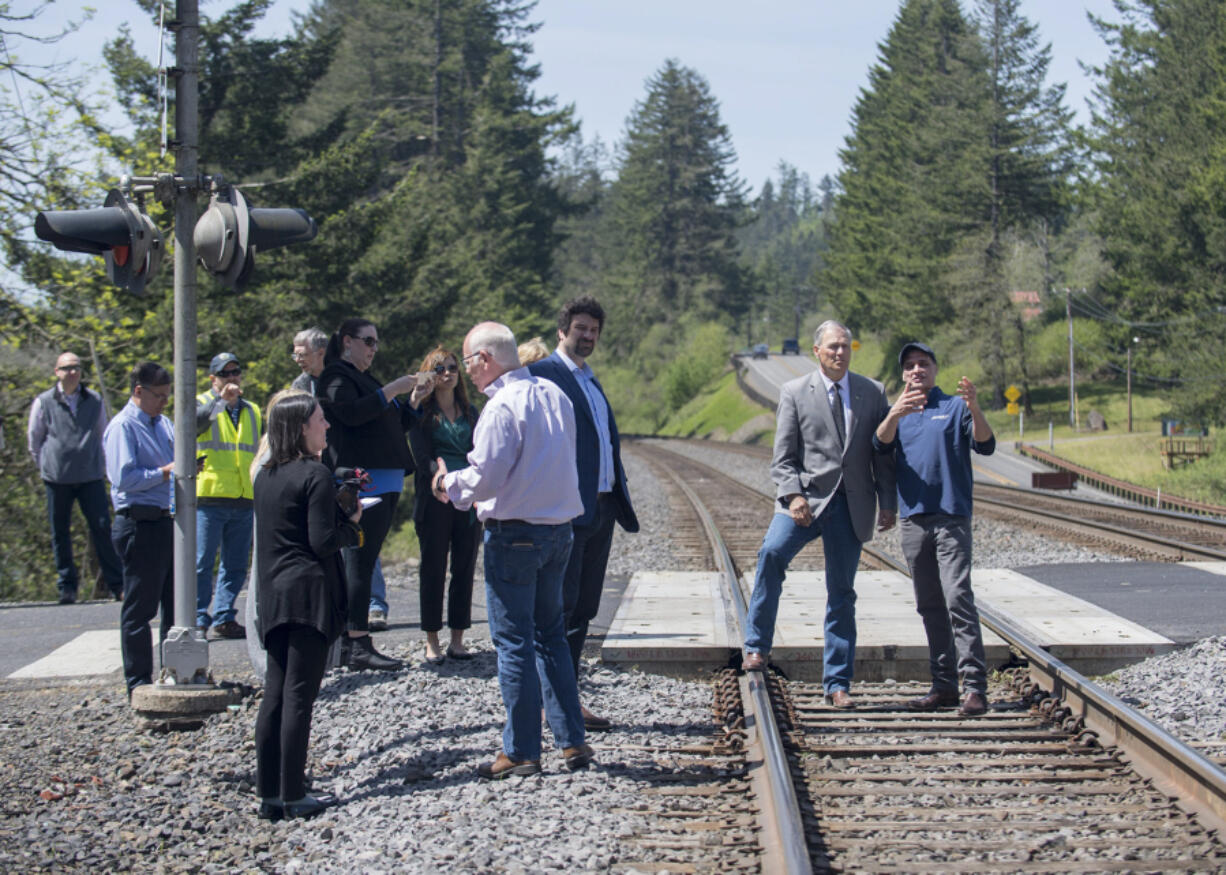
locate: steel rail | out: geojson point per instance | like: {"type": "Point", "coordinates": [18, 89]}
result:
{"type": "Point", "coordinates": [1171, 543]}
{"type": "Point", "coordinates": [1175, 767]}
{"type": "Point", "coordinates": [1140, 510]}
{"type": "Point", "coordinates": [1181, 771]}
{"type": "Point", "coordinates": [790, 831]}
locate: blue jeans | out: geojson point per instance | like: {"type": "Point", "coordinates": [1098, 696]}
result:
{"type": "Point", "coordinates": [96, 508]}
{"type": "Point", "coordinates": [783, 541]}
{"type": "Point", "coordinates": [378, 588]}
{"type": "Point", "coordinates": [228, 529]}
{"type": "Point", "coordinates": [524, 566]}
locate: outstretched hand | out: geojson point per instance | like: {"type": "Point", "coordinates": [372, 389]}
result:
{"type": "Point", "coordinates": [436, 484]}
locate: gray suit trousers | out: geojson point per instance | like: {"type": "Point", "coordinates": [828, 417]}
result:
{"type": "Point", "coordinates": [937, 547]}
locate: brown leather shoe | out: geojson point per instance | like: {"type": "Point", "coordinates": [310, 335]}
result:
{"type": "Point", "coordinates": [504, 767]}
{"type": "Point", "coordinates": [754, 662]}
{"type": "Point", "coordinates": [578, 757]}
{"type": "Point", "coordinates": [932, 701]}
{"type": "Point", "coordinates": [840, 699]}
{"type": "Point", "coordinates": [594, 722]}
{"type": "Point", "coordinates": [973, 705]}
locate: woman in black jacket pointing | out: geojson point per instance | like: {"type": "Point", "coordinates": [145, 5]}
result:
{"type": "Point", "coordinates": [368, 431]}
{"type": "Point", "coordinates": [299, 534]}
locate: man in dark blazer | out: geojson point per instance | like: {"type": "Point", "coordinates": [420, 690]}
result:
{"type": "Point", "coordinates": [829, 481]}
{"type": "Point", "coordinates": [602, 480]}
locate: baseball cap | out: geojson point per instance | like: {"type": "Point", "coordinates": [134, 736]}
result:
{"type": "Point", "coordinates": [915, 344]}
{"type": "Point", "coordinates": [221, 360]}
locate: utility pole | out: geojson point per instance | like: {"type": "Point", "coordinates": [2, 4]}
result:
{"type": "Point", "coordinates": [1072, 404]}
{"type": "Point", "coordinates": [185, 656]}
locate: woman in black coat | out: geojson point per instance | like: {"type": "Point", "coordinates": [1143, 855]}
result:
{"type": "Point", "coordinates": [300, 531]}
{"type": "Point", "coordinates": [368, 431]}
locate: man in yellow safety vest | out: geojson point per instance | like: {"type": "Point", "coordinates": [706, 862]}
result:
{"type": "Point", "coordinates": [228, 434]}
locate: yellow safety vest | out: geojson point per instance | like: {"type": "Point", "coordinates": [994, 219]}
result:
{"type": "Point", "coordinates": [230, 452]}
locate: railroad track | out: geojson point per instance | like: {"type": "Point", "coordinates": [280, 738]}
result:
{"type": "Point", "coordinates": [1058, 777]}
{"type": "Point", "coordinates": [1135, 532]}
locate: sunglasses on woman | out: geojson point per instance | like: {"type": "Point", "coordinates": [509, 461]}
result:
{"type": "Point", "coordinates": [446, 369]}
{"type": "Point", "coordinates": [372, 342]}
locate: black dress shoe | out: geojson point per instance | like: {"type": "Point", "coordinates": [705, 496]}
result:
{"type": "Point", "coordinates": [935, 699]}
{"type": "Point", "coordinates": [309, 806]}
{"type": "Point", "coordinates": [273, 811]}
{"type": "Point", "coordinates": [68, 598]}
{"type": "Point", "coordinates": [362, 655]}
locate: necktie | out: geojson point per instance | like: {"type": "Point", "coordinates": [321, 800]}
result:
{"type": "Point", "coordinates": [840, 424]}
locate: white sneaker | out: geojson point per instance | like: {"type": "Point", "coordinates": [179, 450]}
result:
{"type": "Point", "coordinates": [377, 621]}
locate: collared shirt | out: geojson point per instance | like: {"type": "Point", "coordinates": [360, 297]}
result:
{"type": "Point", "coordinates": [522, 464]}
{"type": "Point", "coordinates": [600, 415]}
{"type": "Point", "coordinates": [137, 445]}
{"type": "Point", "coordinates": [845, 387]}
{"type": "Point", "coordinates": [36, 428]}
{"type": "Point", "coordinates": [932, 452]}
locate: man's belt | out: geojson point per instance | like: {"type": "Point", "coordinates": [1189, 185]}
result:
{"type": "Point", "coordinates": [143, 513]}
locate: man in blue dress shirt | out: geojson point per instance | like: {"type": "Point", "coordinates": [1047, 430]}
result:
{"type": "Point", "coordinates": [931, 436]}
{"type": "Point", "coordinates": [140, 454]}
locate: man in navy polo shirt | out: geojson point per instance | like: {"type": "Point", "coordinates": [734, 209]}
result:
{"type": "Point", "coordinates": [931, 435]}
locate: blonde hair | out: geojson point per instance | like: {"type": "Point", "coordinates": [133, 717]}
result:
{"type": "Point", "coordinates": [532, 351]}
{"type": "Point", "coordinates": [262, 452]}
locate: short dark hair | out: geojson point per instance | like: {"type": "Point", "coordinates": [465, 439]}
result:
{"type": "Point", "coordinates": [286, 418]}
{"type": "Point", "coordinates": [585, 304]}
{"type": "Point", "coordinates": [148, 374]}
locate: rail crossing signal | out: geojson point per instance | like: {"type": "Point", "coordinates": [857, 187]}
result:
{"type": "Point", "coordinates": [124, 235]}
{"type": "Point", "coordinates": [230, 232]}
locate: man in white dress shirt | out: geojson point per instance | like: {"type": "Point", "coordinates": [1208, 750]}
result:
{"type": "Point", "coordinates": [524, 483]}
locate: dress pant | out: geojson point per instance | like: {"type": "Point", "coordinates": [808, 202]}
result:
{"type": "Point", "coordinates": [937, 547]}
{"type": "Point", "coordinates": [784, 539]}
{"type": "Point", "coordinates": [442, 532]}
{"type": "Point", "coordinates": [360, 561]}
{"type": "Point", "coordinates": [146, 549]}
{"type": "Point", "coordinates": [96, 508]}
{"type": "Point", "coordinates": [524, 565]}
{"type": "Point", "coordinates": [296, 660]}
{"type": "Point", "coordinates": [226, 529]}
{"type": "Point", "coordinates": [584, 581]}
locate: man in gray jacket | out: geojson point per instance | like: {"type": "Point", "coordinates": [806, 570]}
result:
{"type": "Point", "coordinates": [65, 441]}
{"type": "Point", "coordinates": [829, 481]}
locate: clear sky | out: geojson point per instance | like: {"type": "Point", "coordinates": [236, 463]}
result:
{"type": "Point", "coordinates": [786, 72]}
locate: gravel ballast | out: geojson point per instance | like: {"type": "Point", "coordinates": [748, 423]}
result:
{"type": "Point", "coordinates": [85, 788]}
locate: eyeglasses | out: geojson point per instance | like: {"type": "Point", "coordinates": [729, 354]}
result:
{"type": "Point", "coordinates": [297, 356]}
{"type": "Point", "coordinates": [69, 368]}
{"type": "Point", "coordinates": [371, 342]}
{"type": "Point", "coordinates": [445, 369]}
{"type": "Point", "coordinates": [231, 374]}
{"type": "Point", "coordinates": [464, 361]}
{"type": "Point", "coordinates": [161, 396]}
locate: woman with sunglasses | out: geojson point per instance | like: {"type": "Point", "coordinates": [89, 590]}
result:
{"type": "Point", "coordinates": [444, 429]}
{"type": "Point", "coordinates": [368, 425]}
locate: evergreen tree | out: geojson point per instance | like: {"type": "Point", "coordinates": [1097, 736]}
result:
{"type": "Point", "coordinates": [912, 182]}
{"type": "Point", "coordinates": [1027, 163]}
{"type": "Point", "coordinates": [674, 210]}
{"type": "Point", "coordinates": [1159, 143]}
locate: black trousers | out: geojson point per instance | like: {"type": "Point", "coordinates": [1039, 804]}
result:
{"type": "Point", "coordinates": [96, 508]}
{"type": "Point", "coordinates": [445, 531]}
{"type": "Point", "coordinates": [296, 660]}
{"type": "Point", "coordinates": [360, 561]}
{"type": "Point", "coordinates": [146, 550]}
{"type": "Point", "coordinates": [584, 581]}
